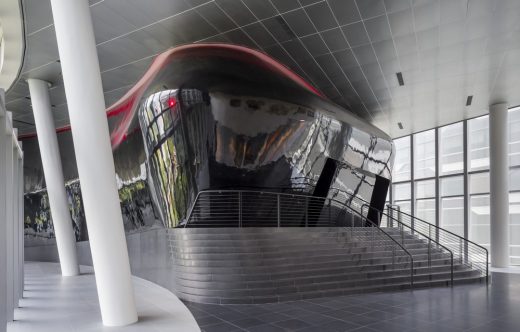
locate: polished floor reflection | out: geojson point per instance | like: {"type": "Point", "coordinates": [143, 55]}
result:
{"type": "Point", "coordinates": [57, 304]}
{"type": "Point", "coordinates": [474, 307]}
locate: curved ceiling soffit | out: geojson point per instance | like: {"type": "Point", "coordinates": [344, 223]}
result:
{"type": "Point", "coordinates": [127, 105]}
{"type": "Point", "coordinates": [11, 20]}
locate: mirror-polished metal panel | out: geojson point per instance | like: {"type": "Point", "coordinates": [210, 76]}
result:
{"type": "Point", "coordinates": [216, 116]}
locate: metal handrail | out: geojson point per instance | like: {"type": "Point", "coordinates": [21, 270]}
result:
{"type": "Point", "coordinates": [316, 205]}
{"type": "Point", "coordinates": [461, 240]}
{"type": "Point", "coordinates": [412, 231]}
{"type": "Point", "coordinates": [465, 244]}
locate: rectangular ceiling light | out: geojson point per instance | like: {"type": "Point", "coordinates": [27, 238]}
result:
{"type": "Point", "coordinates": [400, 125]}
{"type": "Point", "coordinates": [400, 78]}
{"type": "Point", "coordinates": [469, 100]}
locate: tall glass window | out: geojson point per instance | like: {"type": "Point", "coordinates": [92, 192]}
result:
{"type": "Point", "coordinates": [514, 220]}
{"type": "Point", "coordinates": [450, 176]}
{"type": "Point", "coordinates": [425, 200]}
{"type": "Point", "coordinates": [514, 137]}
{"type": "Point", "coordinates": [478, 143]}
{"type": "Point", "coordinates": [479, 208]}
{"type": "Point", "coordinates": [402, 165]}
{"type": "Point", "coordinates": [402, 196]}
{"type": "Point", "coordinates": [451, 149]}
{"type": "Point", "coordinates": [452, 204]}
{"type": "Point", "coordinates": [424, 154]}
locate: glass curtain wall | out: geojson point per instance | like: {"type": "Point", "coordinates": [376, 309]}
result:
{"type": "Point", "coordinates": [445, 184]}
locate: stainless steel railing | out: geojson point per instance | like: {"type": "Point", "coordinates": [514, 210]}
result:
{"type": "Point", "coordinates": [391, 222]}
{"type": "Point", "coordinates": [467, 252]}
{"type": "Point", "coordinates": [246, 208]}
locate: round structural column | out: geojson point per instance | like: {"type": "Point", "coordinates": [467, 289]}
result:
{"type": "Point", "coordinates": [83, 89]}
{"type": "Point", "coordinates": [499, 184]}
{"type": "Point", "coordinates": [21, 226]}
{"type": "Point", "coordinates": [14, 289]}
{"type": "Point", "coordinates": [9, 217]}
{"type": "Point", "coordinates": [53, 171]}
{"type": "Point", "coordinates": [3, 235]}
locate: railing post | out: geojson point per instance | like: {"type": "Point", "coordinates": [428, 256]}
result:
{"type": "Point", "coordinates": [306, 211]}
{"type": "Point", "coordinates": [402, 234]}
{"type": "Point", "coordinates": [330, 219]}
{"type": "Point", "coordinates": [278, 209]}
{"type": "Point", "coordinates": [430, 256]}
{"type": "Point", "coordinates": [393, 258]}
{"type": "Point", "coordinates": [373, 231]}
{"type": "Point", "coordinates": [460, 250]}
{"type": "Point", "coordinates": [239, 209]}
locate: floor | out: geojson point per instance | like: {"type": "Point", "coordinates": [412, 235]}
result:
{"type": "Point", "coordinates": [57, 304]}
{"type": "Point", "coordinates": [474, 307]}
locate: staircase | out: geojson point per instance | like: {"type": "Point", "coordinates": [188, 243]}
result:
{"type": "Point", "coordinates": [275, 264]}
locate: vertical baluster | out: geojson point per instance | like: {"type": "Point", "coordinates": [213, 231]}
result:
{"type": "Point", "coordinates": [430, 257]}
{"type": "Point", "coordinates": [306, 211]}
{"type": "Point", "coordinates": [330, 220]}
{"type": "Point", "coordinates": [278, 209]}
{"type": "Point", "coordinates": [239, 209]}
{"type": "Point", "coordinates": [460, 249]}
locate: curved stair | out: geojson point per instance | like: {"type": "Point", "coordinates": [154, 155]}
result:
{"type": "Point", "coordinates": [269, 264]}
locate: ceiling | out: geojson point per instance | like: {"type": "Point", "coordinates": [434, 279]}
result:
{"type": "Point", "coordinates": [351, 50]}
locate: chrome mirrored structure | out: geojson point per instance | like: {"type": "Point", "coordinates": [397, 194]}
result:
{"type": "Point", "coordinates": [218, 116]}
{"type": "Point", "coordinates": [223, 116]}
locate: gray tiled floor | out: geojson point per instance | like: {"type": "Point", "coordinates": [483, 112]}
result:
{"type": "Point", "coordinates": [474, 307]}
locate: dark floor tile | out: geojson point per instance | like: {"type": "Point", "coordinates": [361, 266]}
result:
{"type": "Point", "coordinates": [248, 322]}
{"type": "Point", "coordinates": [272, 317]}
{"type": "Point", "coordinates": [292, 324]}
{"type": "Point", "coordinates": [266, 328]}
{"type": "Point", "coordinates": [221, 327]}
{"type": "Point", "coordinates": [208, 320]}
{"type": "Point", "coordinates": [338, 325]}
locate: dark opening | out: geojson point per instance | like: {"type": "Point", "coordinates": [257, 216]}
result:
{"type": "Point", "coordinates": [377, 203]}
{"type": "Point", "coordinates": [326, 177]}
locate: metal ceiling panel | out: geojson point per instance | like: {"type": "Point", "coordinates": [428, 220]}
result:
{"type": "Point", "coordinates": [350, 49]}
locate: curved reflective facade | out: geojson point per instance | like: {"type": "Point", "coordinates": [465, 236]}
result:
{"type": "Point", "coordinates": [213, 116]}
{"type": "Point", "coordinates": [216, 117]}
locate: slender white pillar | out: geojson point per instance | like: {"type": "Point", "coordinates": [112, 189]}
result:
{"type": "Point", "coordinates": [14, 235]}
{"type": "Point", "coordinates": [9, 217]}
{"type": "Point", "coordinates": [21, 227]}
{"type": "Point", "coordinates": [53, 171]}
{"type": "Point", "coordinates": [499, 184]}
{"type": "Point", "coordinates": [3, 217]}
{"type": "Point", "coordinates": [82, 78]}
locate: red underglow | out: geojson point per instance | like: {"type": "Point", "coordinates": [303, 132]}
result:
{"type": "Point", "coordinates": [128, 104]}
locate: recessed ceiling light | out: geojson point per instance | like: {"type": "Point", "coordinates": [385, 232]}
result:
{"type": "Point", "coordinates": [400, 78]}
{"type": "Point", "coordinates": [469, 100]}
{"type": "Point", "coordinates": [400, 125]}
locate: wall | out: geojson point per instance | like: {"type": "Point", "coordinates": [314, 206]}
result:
{"type": "Point", "coordinates": [148, 251]}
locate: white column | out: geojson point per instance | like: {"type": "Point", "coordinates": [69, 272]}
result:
{"type": "Point", "coordinates": [499, 184]}
{"type": "Point", "coordinates": [9, 217]}
{"type": "Point", "coordinates": [82, 78]}
{"type": "Point", "coordinates": [14, 234]}
{"type": "Point", "coordinates": [3, 217]}
{"type": "Point", "coordinates": [53, 171]}
{"type": "Point", "coordinates": [21, 223]}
